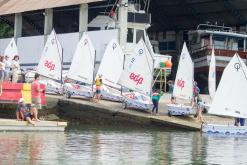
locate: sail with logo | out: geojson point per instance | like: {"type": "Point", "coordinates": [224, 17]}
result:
{"type": "Point", "coordinates": [183, 87]}
{"type": "Point", "coordinates": [11, 50]}
{"type": "Point", "coordinates": [50, 64]}
{"type": "Point", "coordinates": [230, 97]}
{"type": "Point", "coordinates": [212, 76]}
{"type": "Point", "coordinates": [138, 70]}
{"type": "Point", "coordinates": [82, 66]}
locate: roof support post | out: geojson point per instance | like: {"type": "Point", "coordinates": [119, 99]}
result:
{"type": "Point", "coordinates": [123, 21]}
{"type": "Point", "coordinates": [83, 19]}
{"type": "Point", "coordinates": [48, 23]}
{"type": "Point", "coordinates": [18, 26]}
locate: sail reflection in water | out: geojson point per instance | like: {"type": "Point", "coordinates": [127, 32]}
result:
{"type": "Point", "coordinates": [90, 145]}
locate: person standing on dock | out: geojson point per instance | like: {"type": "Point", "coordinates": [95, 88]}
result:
{"type": "Point", "coordinates": [98, 83]}
{"type": "Point", "coordinates": [8, 64]}
{"type": "Point", "coordinates": [15, 69]}
{"type": "Point", "coordinates": [155, 99]}
{"type": "Point", "coordinates": [2, 73]}
{"type": "Point", "coordinates": [35, 90]}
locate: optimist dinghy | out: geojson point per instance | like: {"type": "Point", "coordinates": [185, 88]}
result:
{"type": "Point", "coordinates": [82, 70]}
{"type": "Point", "coordinates": [50, 65]}
{"type": "Point", "coordinates": [230, 98]}
{"type": "Point", "coordinates": [137, 76]}
{"type": "Point", "coordinates": [110, 70]}
{"type": "Point", "coordinates": [183, 87]}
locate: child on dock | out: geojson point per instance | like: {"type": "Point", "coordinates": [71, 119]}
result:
{"type": "Point", "coordinates": [25, 113]}
{"type": "Point", "coordinates": [155, 99]}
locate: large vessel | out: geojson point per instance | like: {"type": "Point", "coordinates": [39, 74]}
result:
{"type": "Point", "coordinates": [225, 42]}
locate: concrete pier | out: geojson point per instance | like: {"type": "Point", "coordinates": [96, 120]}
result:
{"type": "Point", "coordinates": [111, 112]}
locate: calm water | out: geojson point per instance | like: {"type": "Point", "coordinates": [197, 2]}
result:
{"type": "Point", "coordinates": [116, 146]}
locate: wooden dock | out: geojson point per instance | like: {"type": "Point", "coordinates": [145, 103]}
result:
{"type": "Point", "coordinates": [107, 111]}
{"type": "Point", "coordinates": [14, 125]}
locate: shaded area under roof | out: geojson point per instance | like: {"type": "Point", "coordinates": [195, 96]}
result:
{"type": "Point", "coordinates": [187, 14]}
{"type": "Point", "coordinates": [17, 6]}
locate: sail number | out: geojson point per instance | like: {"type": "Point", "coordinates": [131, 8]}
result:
{"type": "Point", "coordinates": [137, 78]}
{"type": "Point", "coordinates": [49, 65]}
{"type": "Point", "coordinates": [180, 83]}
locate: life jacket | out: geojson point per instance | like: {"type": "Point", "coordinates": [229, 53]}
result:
{"type": "Point", "coordinates": [98, 82]}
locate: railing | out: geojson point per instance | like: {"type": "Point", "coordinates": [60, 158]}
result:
{"type": "Point", "coordinates": [207, 50]}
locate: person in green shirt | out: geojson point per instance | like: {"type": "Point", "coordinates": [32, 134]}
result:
{"type": "Point", "coordinates": [155, 99]}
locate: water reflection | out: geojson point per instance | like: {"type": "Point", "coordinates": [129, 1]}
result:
{"type": "Point", "coordinates": [109, 145]}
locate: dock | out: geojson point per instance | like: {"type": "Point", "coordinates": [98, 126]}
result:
{"type": "Point", "coordinates": [112, 112]}
{"type": "Point", "coordinates": [47, 126]}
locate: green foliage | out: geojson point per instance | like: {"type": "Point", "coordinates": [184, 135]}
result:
{"type": "Point", "coordinates": [6, 30]}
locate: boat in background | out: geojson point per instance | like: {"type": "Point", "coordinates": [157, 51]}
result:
{"type": "Point", "coordinates": [183, 87]}
{"type": "Point", "coordinates": [225, 41]}
{"type": "Point", "coordinates": [110, 69]}
{"type": "Point", "coordinates": [230, 99]}
{"type": "Point", "coordinates": [137, 76]}
{"type": "Point", "coordinates": [82, 70]}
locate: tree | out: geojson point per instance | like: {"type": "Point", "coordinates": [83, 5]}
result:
{"type": "Point", "coordinates": [6, 30]}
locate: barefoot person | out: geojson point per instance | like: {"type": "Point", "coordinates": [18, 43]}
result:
{"type": "Point", "coordinates": [36, 93]}
{"type": "Point", "coordinates": [98, 83]}
{"type": "Point", "coordinates": [23, 113]}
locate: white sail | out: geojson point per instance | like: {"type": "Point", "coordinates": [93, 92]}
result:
{"type": "Point", "coordinates": [212, 76]}
{"type": "Point", "coordinates": [230, 97]}
{"type": "Point", "coordinates": [138, 71]}
{"type": "Point", "coordinates": [82, 66]}
{"type": "Point", "coordinates": [50, 64]}
{"type": "Point", "coordinates": [111, 65]}
{"type": "Point", "coordinates": [183, 87]}
{"type": "Point", "coordinates": [11, 50]}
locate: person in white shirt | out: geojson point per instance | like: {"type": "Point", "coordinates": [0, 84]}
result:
{"type": "Point", "coordinates": [15, 69]}
{"type": "Point", "coordinates": [8, 64]}
{"type": "Point", "coordinates": [2, 72]}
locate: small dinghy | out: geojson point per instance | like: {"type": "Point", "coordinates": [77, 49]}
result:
{"type": "Point", "coordinates": [110, 69]}
{"type": "Point", "coordinates": [137, 76]}
{"type": "Point", "coordinates": [82, 70]}
{"type": "Point", "coordinates": [183, 87]}
{"type": "Point", "coordinates": [50, 65]}
{"type": "Point", "coordinates": [230, 98]}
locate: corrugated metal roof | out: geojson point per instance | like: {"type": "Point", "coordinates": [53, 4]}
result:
{"type": "Point", "coordinates": [17, 6]}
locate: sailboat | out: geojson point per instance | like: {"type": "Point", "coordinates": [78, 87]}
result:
{"type": "Point", "coordinates": [50, 65]}
{"type": "Point", "coordinates": [211, 79]}
{"type": "Point", "coordinates": [183, 87]}
{"type": "Point", "coordinates": [212, 76]}
{"type": "Point", "coordinates": [137, 76]}
{"type": "Point", "coordinates": [230, 98]}
{"type": "Point", "coordinates": [111, 73]}
{"type": "Point", "coordinates": [11, 50]}
{"type": "Point", "coordinates": [82, 70]}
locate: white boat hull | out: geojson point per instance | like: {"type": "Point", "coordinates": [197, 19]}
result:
{"type": "Point", "coordinates": [76, 90]}
{"type": "Point", "coordinates": [136, 101]}
{"type": "Point", "coordinates": [111, 97]}
{"type": "Point", "coordinates": [52, 87]}
{"type": "Point", "coordinates": [110, 94]}
{"type": "Point", "coordinates": [224, 129]}
{"type": "Point", "coordinates": [180, 110]}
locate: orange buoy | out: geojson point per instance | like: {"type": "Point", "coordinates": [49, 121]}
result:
{"type": "Point", "coordinates": [168, 64]}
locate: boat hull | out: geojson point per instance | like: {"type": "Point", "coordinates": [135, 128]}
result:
{"type": "Point", "coordinates": [76, 90]}
{"type": "Point", "coordinates": [224, 129]}
{"type": "Point", "coordinates": [180, 110]}
{"type": "Point", "coordinates": [136, 101]}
